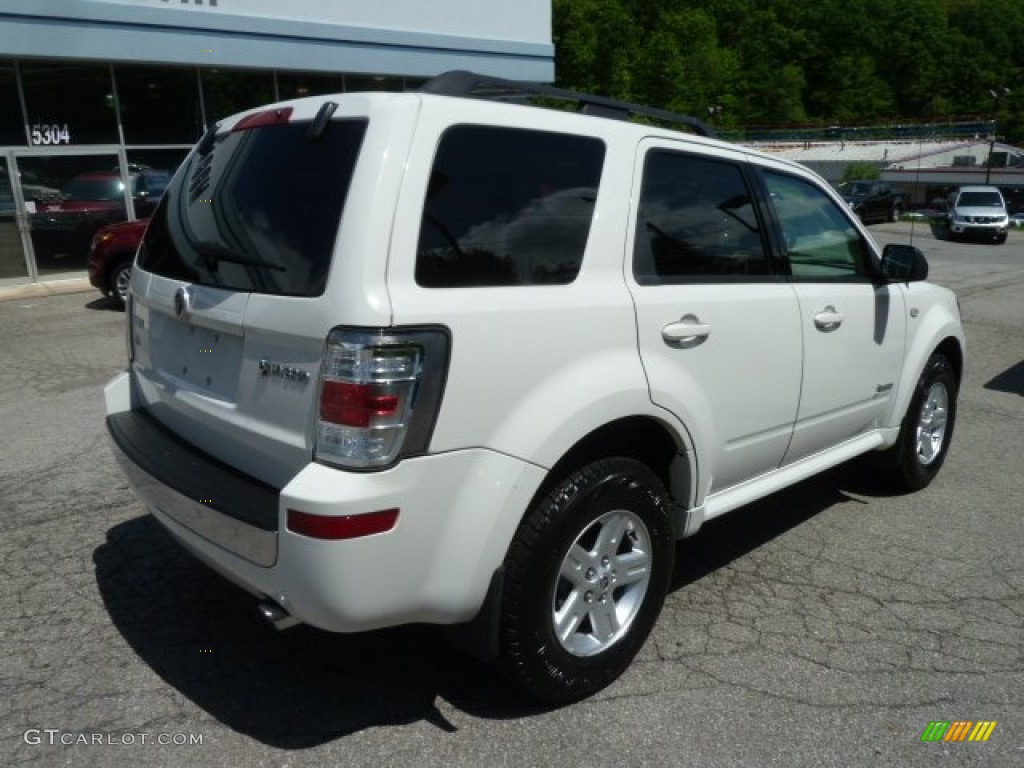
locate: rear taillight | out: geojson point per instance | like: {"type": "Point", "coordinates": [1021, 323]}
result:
{"type": "Point", "coordinates": [379, 395]}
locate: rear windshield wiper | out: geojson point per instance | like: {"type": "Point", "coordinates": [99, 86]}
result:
{"type": "Point", "coordinates": [211, 254]}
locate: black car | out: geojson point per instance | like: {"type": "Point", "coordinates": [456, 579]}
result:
{"type": "Point", "coordinates": [872, 201]}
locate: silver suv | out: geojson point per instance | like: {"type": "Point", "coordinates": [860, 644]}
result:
{"type": "Point", "coordinates": [435, 357]}
{"type": "Point", "coordinates": [978, 212]}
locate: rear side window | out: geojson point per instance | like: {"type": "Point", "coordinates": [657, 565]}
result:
{"type": "Point", "coordinates": [507, 206]}
{"type": "Point", "coordinates": [696, 221]}
{"type": "Point", "coordinates": [257, 212]}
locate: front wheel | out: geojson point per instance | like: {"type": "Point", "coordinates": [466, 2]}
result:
{"type": "Point", "coordinates": [120, 280]}
{"type": "Point", "coordinates": [586, 576]}
{"type": "Point", "coordinates": [927, 428]}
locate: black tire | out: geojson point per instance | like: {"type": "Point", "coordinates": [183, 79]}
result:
{"type": "Point", "coordinates": [1000, 239]}
{"type": "Point", "coordinates": [927, 428]}
{"type": "Point", "coordinates": [624, 500]}
{"type": "Point", "coordinates": [120, 276]}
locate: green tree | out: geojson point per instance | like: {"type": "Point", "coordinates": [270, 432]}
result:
{"type": "Point", "coordinates": [779, 62]}
{"type": "Point", "coordinates": [596, 45]}
{"type": "Point", "coordinates": [855, 171]}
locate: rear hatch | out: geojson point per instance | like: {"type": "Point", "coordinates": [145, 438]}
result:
{"type": "Point", "coordinates": [226, 335]}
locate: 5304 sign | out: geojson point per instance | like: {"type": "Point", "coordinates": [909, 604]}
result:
{"type": "Point", "coordinates": [48, 135]}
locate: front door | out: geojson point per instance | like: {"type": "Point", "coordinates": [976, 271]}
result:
{"type": "Point", "coordinates": [853, 327]}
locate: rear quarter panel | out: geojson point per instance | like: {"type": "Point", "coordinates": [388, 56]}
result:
{"type": "Point", "coordinates": [533, 368]}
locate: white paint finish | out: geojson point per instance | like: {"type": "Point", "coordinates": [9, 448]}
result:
{"type": "Point", "coordinates": [849, 373]}
{"type": "Point", "coordinates": [738, 389]}
{"type": "Point", "coordinates": [526, 20]}
{"type": "Point", "coordinates": [534, 369]}
{"type": "Point", "coordinates": [434, 566]}
{"type": "Point", "coordinates": [395, 38]}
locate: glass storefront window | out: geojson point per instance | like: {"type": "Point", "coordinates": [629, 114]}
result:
{"type": "Point", "coordinates": [150, 171]}
{"type": "Point", "coordinates": [373, 83]}
{"type": "Point", "coordinates": [159, 105]}
{"type": "Point", "coordinates": [12, 254]}
{"type": "Point", "coordinates": [226, 92]}
{"type": "Point", "coordinates": [12, 124]}
{"type": "Point", "coordinates": [69, 103]}
{"type": "Point", "coordinates": [296, 85]}
{"type": "Point", "coordinates": [67, 199]}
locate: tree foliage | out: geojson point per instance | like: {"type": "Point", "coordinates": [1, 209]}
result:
{"type": "Point", "coordinates": [786, 62]}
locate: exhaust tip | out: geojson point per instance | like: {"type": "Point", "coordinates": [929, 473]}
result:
{"type": "Point", "coordinates": [276, 615]}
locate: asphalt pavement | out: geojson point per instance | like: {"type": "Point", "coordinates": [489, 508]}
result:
{"type": "Point", "coordinates": [828, 625]}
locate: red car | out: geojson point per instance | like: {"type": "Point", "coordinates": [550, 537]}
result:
{"type": "Point", "coordinates": [111, 255]}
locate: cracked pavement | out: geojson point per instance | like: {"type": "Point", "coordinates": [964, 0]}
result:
{"type": "Point", "coordinates": [826, 625]}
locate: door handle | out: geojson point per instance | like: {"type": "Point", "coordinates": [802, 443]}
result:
{"type": "Point", "coordinates": [688, 330]}
{"type": "Point", "coordinates": [828, 319]}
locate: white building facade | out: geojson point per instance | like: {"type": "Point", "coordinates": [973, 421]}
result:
{"type": "Point", "coordinates": [105, 97]}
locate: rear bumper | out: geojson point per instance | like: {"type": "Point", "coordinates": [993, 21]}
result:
{"type": "Point", "coordinates": [220, 504]}
{"type": "Point", "coordinates": [458, 512]}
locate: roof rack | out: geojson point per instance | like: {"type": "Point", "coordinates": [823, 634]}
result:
{"type": "Point", "coordinates": [472, 85]}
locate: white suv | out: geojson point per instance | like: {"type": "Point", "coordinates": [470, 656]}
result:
{"type": "Point", "coordinates": [432, 357]}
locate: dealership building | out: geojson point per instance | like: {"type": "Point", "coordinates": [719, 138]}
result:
{"type": "Point", "coordinates": [100, 100]}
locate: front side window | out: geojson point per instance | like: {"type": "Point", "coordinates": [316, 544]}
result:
{"type": "Point", "coordinates": [696, 221]}
{"type": "Point", "coordinates": [821, 242]}
{"type": "Point", "coordinates": [507, 206]}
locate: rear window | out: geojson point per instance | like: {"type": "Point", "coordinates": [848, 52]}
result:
{"type": "Point", "coordinates": [507, 206]}
{"type": "Point", "coordinates": [258, 212]}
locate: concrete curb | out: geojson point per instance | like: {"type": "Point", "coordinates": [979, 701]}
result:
{"type": "Point", "coordinates": [42, 290]}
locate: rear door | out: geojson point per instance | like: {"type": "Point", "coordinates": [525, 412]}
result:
{"type": "Point", "coordinates": [718, 328]}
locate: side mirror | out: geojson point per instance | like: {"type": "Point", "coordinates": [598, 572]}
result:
{"type": "Point", "coordinates": [904, 263]}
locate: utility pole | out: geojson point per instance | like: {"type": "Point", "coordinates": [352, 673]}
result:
{"type": "Point", "coordinates": [997, 93]}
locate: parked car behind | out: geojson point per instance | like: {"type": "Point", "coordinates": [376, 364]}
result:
{"type": "Point", "coordinates": [67, 221]}
{"type": "Point", "coordinates": [111, 255]}
{"type": "Point", "coordinates": [872, 201]}
{"type": "Point", "coordinates": [978, 212]}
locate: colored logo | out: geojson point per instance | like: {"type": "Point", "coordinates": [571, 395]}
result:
{"type": "Point", "coordinates": [958, 730]}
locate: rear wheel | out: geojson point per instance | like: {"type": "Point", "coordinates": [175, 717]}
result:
{"type": "Point", "coordinates": [586, 577]}
{"type": "Point", "coordinates": [927, 428]}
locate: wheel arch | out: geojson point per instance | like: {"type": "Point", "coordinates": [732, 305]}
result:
{"type": "Point", "coordinates": [114, 259]}
{"type": "Point", "coordinates": [953, 351]}
{"type": "Point", "coordinates": [643, 438]}
{"type": "Point", "coordinates": [947, 343]}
